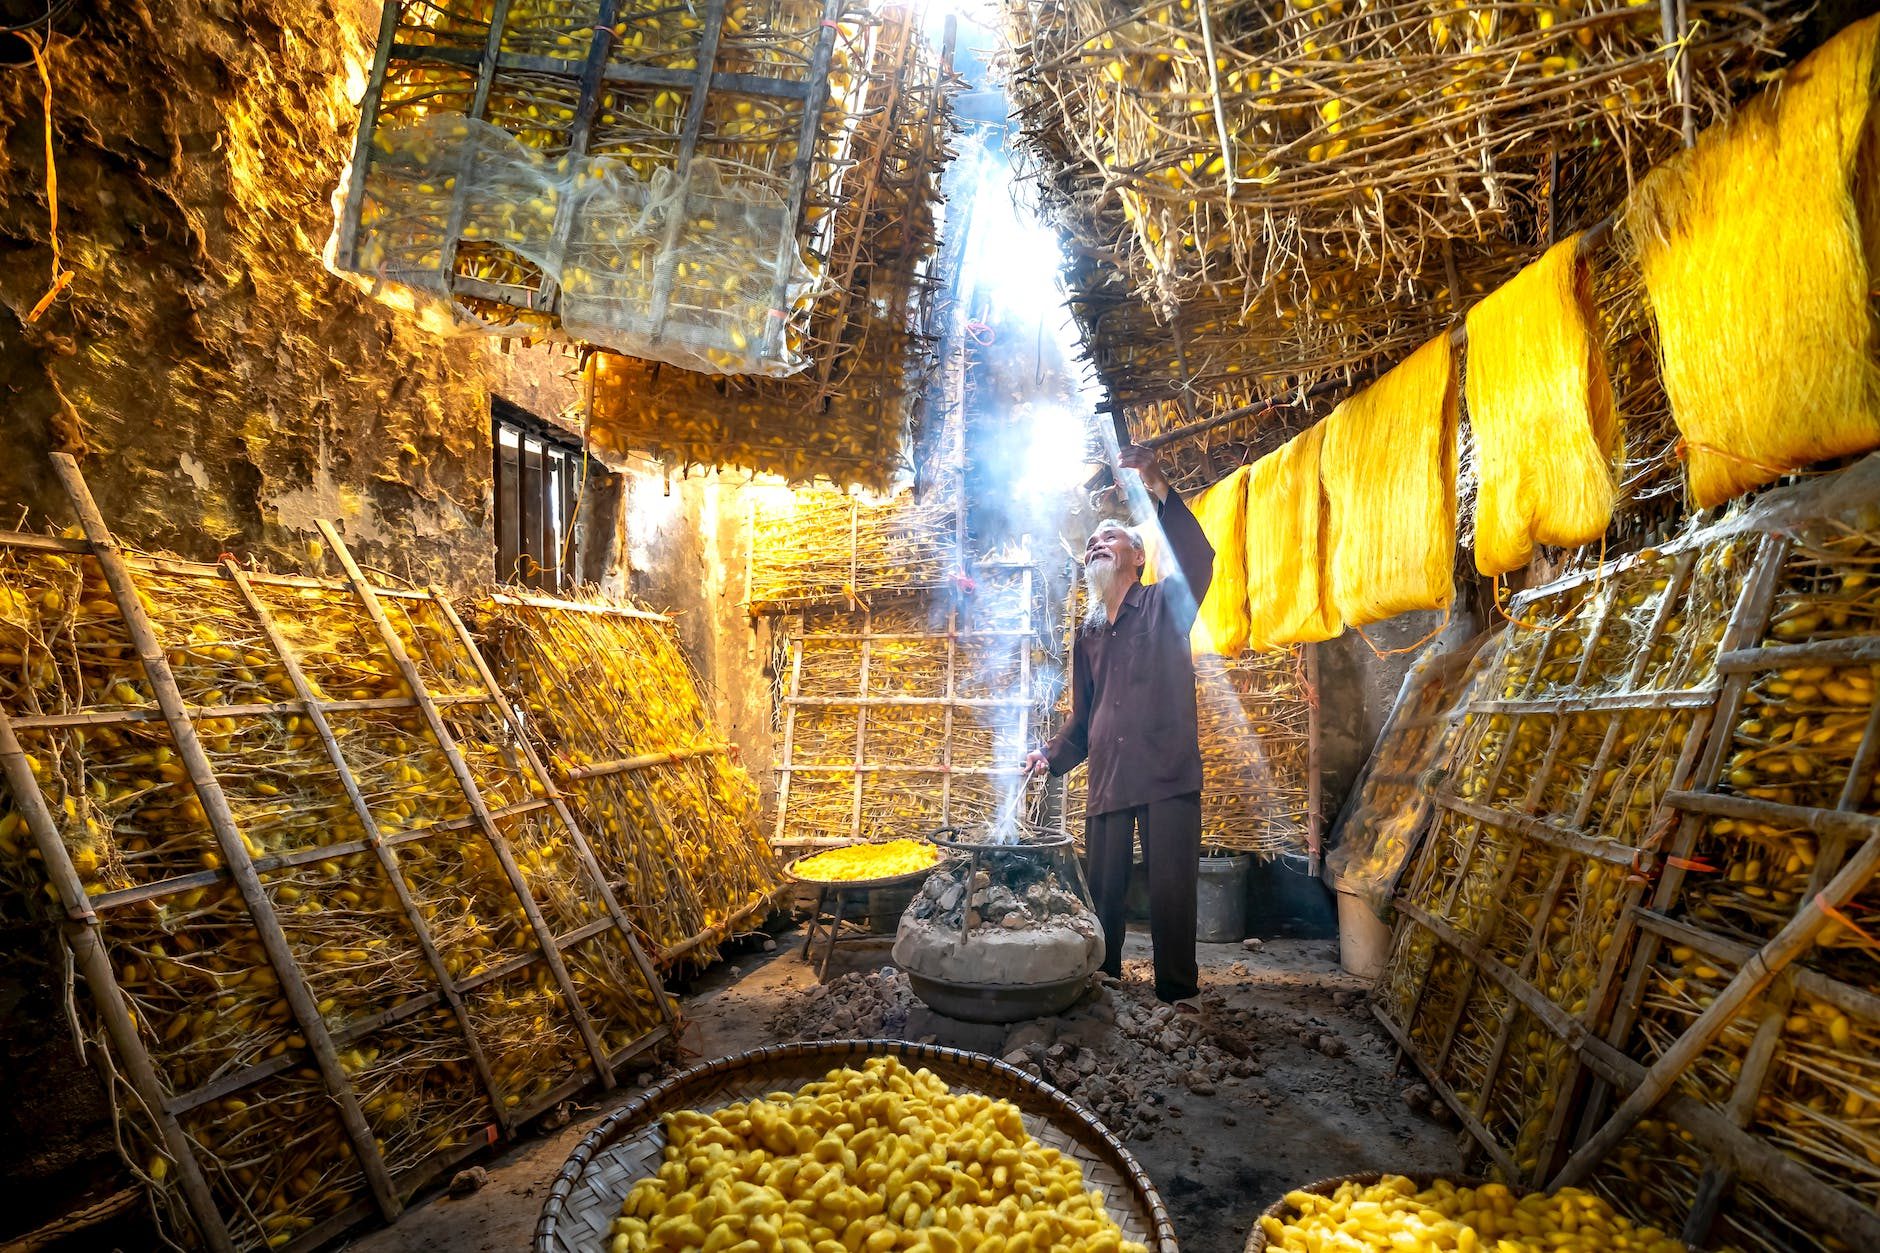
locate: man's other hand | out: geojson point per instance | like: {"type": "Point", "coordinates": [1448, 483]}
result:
{"type": "Point", "coordinates": [1036, 763]}
{"type": "Point", "coordinates": [1143, 461]}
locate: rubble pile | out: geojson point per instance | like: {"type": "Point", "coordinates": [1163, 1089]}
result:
{"type": "Point", "coordinates": [1015, 923]}
{"type": "Point", "coordinates": [1120, 1053]}
{"type": "Point", "coordinates": [1128, 1058]}
{"type": "Point", "coordinates": [865, 1005]}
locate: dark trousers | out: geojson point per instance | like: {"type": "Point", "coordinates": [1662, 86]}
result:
{"type": "Point", "coordinates": [1171, 854]}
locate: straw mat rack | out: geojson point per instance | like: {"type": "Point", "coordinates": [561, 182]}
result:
{"type": "Point", "coordinates": [339, 923]}
{"type": "Point", "coordinates": [1632, 949]}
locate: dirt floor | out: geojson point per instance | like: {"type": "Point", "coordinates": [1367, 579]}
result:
{"type": "Point", "coordinates": [1284, 1079]}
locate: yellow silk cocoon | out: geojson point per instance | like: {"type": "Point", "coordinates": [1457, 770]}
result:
{"type": "Point", "coordinates": [1540, 405]}
{"type": "Point", "coordinates": [1751, 248]}
{"type": "Point", "coordinates": [1389, 469]}
{"type": "Point", "coordinates": [1221, 625]}
{"type": "Point", "coordinates": [1287, 596]}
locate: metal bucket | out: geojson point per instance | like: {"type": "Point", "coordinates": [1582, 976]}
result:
{"type": "Point", "coordinates": [1221, 899]}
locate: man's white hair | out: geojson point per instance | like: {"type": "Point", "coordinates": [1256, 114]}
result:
{"type": "Point", "coordinates": [1134, 533]}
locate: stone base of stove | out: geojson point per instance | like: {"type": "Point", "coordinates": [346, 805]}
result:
{"type": "Point", "coordinates": [1065, 948]}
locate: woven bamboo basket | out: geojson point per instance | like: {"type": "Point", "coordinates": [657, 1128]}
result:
{"type": "Point", "coordinates": [1280, 1209]}
{"type": "Point", "coordinates": [627, 1146]}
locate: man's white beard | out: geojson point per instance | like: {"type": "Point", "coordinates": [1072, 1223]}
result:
{"type": "Point", "coordinates": [1099, 577]}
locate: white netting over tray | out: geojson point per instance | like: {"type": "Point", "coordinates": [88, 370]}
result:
{"type": "Point", "coordinates": [698, 269]}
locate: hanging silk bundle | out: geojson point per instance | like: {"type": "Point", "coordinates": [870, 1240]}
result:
{"type": "Point", "coordinates": [1389, 469]}
{"type": "Point", "coordinates": [1540, 407]}
{"type": "Point", "coordinates": [1288, 598]}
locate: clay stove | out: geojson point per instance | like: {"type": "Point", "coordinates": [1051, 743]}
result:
{"type": "Point", "coordinates": [1003, 930]}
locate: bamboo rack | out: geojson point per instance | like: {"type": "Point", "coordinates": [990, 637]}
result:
{"type": "Point", "coordinates": [910, 716]}
{"type": "Point", "coordinates": [581, 81]}
{"type": "Point", "coordinates": [1249, 187]}
{"type": "Point", "coordinates": [866, 332]}
{"type": "Point", "coordinates": [676, 823]}
{"type": "Point", "coordinates": [296, 916]}
{"type": "Point", "coordinates": [1630, 947]}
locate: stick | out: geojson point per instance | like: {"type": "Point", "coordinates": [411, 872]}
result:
{"type": "Point", "coordinates": [228, 838]}
{"type": "Point", "coordinates": [81, 932]}
{"type": "Point", "coordinates": [473, 795]}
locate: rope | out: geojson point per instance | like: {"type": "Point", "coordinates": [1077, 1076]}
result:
{"type": "Point", "coordinates": [41, 47]}
{"type": "Point", "coordinates": [1407, 648]}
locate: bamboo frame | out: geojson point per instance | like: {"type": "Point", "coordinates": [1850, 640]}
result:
{"type": "Point", "coordinates": [221, 819]}
{"type": "Point", "coordinates": [252, 624]}
{"type": "Point", "coordinates": [486, 823]}
{"type": "Point", "coordinates": [1733, 1151]}
{"type": "Point", "coordinates": [583, 849]}
{"type": "Point", "coordinates": [1009, 645]}
{"type": "Point", "coordinates": [1573, 839]}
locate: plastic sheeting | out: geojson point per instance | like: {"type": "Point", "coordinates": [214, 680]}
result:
{"type": "Point", "coordinates": [682, 269]}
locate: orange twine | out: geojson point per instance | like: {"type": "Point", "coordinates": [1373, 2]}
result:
{"type": "Point", "coordinates": [1683, 449]}
{"type": "Point", "coordinates": [41, 46]}
{"type": "Point", "coordinates": [1407, 648]}
{"type": "Point", "coordinates": [1828, 908]}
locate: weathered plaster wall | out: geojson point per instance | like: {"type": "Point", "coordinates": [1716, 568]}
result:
{"type": "Point", "coordinates": [221, 389]}
{"type": "Point", "coordinates": [688, 541]}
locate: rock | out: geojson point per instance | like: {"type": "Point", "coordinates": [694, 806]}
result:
{"type": "Point", "coordinates": [1199, 1085]}
{"type": "Point", "coordinates": [981, 879]}
{"type": "Point", "coordinates": [1169, 1040]}
{"type": "Point", "coordinates": [735, 971]}
{"type": "Point", "coordinates": [1013, 921]}
{"type": "Point", "coordinates": [1086, 1063]}
{"type": "Point", "coordinates": [1418, 1096]}
{"type": "Point", "coordinates": [770, 946]}
{"type": "Point", "coordinates": [1228, 1120]}
{"type": "Point", "coordinates": [1252, 945]}
{"type": "Point", "coordinates": [464, 1182]}
{"type": "Point", "coordinates": [1102, 1011]}
{"type": "Point", "coordinates": [1331, 1046]}
{"type": "Point", "coordinates": [1036, 1034]}
{"type": "Point", "coordinates": [1017, 1057]}
{"type": "Point", "coordinates": [643, 1080]}
{"type": "Point", "coordinates": [972, 919]}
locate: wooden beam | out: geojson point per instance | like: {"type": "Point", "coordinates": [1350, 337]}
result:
{"type": "Point", "coordinates": [228, 837]}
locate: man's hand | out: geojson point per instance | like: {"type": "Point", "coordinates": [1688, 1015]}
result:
{"type": "Point", "coordinates": [1143, 462]}
{"type": "Point", "coordinates": [1036, 763]}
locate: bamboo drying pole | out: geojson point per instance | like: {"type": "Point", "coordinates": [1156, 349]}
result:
{"type": "Point", "coordinates": [81, 932]}
{"type": "Point", "coordinates": [583, 849]}
{"type": "Point", "coordinates": [374, 839]}
{"type": "Point", "coordinates": [1796, 938]}
{"type": "Point", "coordinates": [221, 818]}
{"type": "Point", "coordinates": [473, 795]}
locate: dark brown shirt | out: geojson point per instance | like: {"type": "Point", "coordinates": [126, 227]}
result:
{"type": "Point", "coordinates": [1133, 684]}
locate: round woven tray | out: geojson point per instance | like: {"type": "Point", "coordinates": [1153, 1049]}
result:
{"type": "Point", "coordinates": [893, 880]}
{"type": "Point", "coordinates": [628, 1145]}
{"type": "Point", "coordinates": [1256, 1241]}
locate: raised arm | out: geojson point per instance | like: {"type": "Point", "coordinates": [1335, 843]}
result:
{"type": "Point", "coordinates": [1194, 556]}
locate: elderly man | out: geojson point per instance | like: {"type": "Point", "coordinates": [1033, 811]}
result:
{"type": "Point", "coordinates": [1133, 717]}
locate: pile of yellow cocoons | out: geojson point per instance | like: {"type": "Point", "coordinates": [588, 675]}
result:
{"type": "Point", "coordinates": [873, 1159]}
{"type": "Point", "coordinates": [861, 862]}
{"type": "Point", "coordinates": [1392, 1214]}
